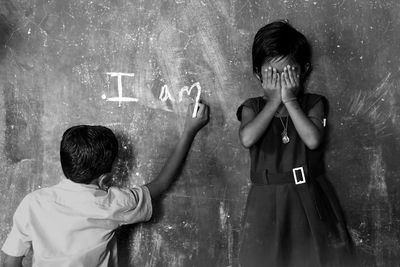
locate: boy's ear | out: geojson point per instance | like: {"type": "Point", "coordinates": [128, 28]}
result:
{"type": "Point", "coordinates": [104, 181]}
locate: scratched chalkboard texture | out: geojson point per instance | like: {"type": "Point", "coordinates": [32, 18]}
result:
{"type": "Point", "coordinates": [130, 65]}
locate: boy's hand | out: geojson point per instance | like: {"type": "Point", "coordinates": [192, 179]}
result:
{"type": "Point", "coordinates": [290, 83]}
{"type": "Point", "coordinates": [271, 84]}
{"type": "Point", "coordinates": [171, 168]}
{"type": "Point", "coordinates": [11, 261]}
{"type": "Point", "coordinates": [193, 125]}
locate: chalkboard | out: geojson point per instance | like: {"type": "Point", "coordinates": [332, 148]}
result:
{"type": "Point", "coordinates": [135, 65]}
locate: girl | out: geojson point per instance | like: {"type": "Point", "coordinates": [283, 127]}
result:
{"type": "Point", "coordinates": [292, 215]}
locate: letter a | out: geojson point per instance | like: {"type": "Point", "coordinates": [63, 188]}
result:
{"type": "Point", "coordinates": [165, 94]}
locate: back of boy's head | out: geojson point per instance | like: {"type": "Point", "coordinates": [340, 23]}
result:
{"type": "Point", "coordinates": [278, 40]}
{"type": "Point", "coordinates": [86, 152]}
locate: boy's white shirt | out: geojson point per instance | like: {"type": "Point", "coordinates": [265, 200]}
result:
{"type": "Point", "coordinates": [72, 224]}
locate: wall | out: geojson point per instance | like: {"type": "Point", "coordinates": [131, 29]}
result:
{"type": "Point", "coordinates": [60, 63]}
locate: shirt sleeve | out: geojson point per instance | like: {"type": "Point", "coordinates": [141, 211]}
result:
{"type": "Point", "coordinates": [18, 242]}
{"type": "Point", "coordinates": [131, 205]}
{"type": "Point", "coordinates": [313, 99]}
{"type": "Point", "coordinates": [248, 103]}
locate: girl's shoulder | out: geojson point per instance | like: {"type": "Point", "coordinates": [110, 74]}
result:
{"type": "Point", "coordinates": [253, 100]}
{"type": "Point", "coordinates": [309, 100]}
{"type": "Point", "coordinates": [254, 103]}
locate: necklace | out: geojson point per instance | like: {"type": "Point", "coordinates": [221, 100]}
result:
{"type": "Point", "coordinates": [285, 137]}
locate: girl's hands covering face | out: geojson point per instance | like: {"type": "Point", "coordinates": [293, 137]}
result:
{"type": "Point", "coordinates": [271, 83]}
{"type": "Point", "coordinates": [290, 82]}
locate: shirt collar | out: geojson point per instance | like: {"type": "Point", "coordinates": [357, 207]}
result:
{"type": "Point", "coordinates": [68, 184]}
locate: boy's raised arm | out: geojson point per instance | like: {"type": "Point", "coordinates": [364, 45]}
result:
{"type": "Point", "coordinates": [10, 261]}
{"type": "Point", "coordinates": [171, 168]}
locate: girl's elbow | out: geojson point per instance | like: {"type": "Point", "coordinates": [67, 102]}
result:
{"type": "Point", "coordinates": [313, 146]}
{"type": "Point", "coordinates": [245, 141]}
{"type": "Point", "coordinates": [314, 143]}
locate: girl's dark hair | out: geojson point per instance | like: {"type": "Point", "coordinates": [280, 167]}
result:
{"type": "Point", "coordinates": [86, 152]}
{"type": "Point", "coordinates": [279, 40]}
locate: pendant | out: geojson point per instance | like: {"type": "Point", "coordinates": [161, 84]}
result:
{"type": "Point", "coordinates": [285, 138]}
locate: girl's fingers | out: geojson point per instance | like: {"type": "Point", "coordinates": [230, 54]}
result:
{"type": "Point", "coordinates": [269, 75]}
{"type": "Point", "coordinates": [296, 76]}
{"type": "Point", "coordinates": [285, 77]}
{"type": "Point", "coordinates": [273, 77]}
{"type": "Point", "coordinates": [278, 80]}
{"type": "Point", "coordinates": [290, 74]}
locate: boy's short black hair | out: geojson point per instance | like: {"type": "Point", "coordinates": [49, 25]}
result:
{"type": "Point", "coordinates": [86, 152]}
{"type": "Point", "coordinates": [279, 39]}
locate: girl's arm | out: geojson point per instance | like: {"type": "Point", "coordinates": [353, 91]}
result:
{"type": "Point", "coordinates": [253, 126]}
{"type": "Point", "coordinates": [309, 127]}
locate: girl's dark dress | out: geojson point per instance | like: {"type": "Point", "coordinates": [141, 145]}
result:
{"type": "Point", "coordinates": [288, 224]}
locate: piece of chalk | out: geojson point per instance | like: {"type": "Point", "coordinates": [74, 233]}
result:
{"type": "Point", "coordinates": [196, 107]}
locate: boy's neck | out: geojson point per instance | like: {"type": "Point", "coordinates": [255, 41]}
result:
{"type": "Point", "coordinates": [103, 181]}
{"type": "Point", "coordinates": [95, 181]}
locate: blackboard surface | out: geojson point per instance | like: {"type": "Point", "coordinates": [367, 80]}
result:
{"type": "Point", "coordinates": [130, 65]}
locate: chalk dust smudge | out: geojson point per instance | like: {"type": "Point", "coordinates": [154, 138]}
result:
{"type": "Point", "coordinates": [378, 212]}
{"type": "Point", "coordinates": [378, 105]}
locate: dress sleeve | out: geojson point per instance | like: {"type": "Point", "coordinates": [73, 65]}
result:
{"type": "Point", "coordinates": [313, 99]}
{"type": "Point", "coordinates": [18, 242]}
{"type": "Point", "coordinates": [131, 205]}
{"type": "Point", "coordinates": [250, 103]}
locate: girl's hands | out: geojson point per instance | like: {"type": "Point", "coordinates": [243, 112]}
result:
{"type": "Point", "coordinates": [271, 84]}
{"type": "Point", "coordinates": [281, 87]}
{"type": "Point", "coordinates": [290, 82]}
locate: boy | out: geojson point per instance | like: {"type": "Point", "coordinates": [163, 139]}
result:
{"type": "Point", "coordinates": [73, 223]}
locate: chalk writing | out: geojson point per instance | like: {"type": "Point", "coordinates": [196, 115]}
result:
{"type": "Point", "coordinates": [120, 98]}
{"type": "Point", "coordinates": [189, 91]}
{"type": "Point", "coordinates": [164, 96]}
